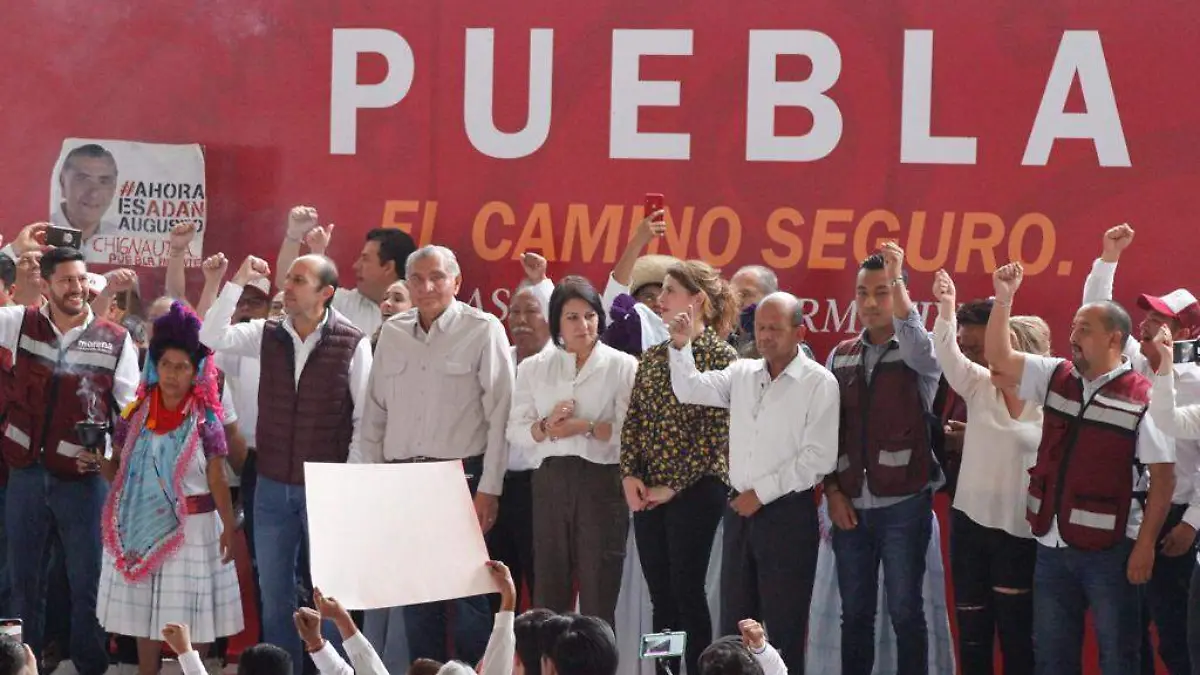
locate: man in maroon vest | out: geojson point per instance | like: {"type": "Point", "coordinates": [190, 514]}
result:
{"type": "Point", "coordinates": [314, 371]}
{"type": "Point", "coordinates": [1095, 546]}
{"type": "Point", "coordinates": [880, 496]}
{"type": "Point", "coordinates": [70, 366]}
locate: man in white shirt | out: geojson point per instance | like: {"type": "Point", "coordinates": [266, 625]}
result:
{"type": "Point", "coordinates": [1095, 545]}
{"type": "Point", "coordinates": [1176, 560]}
{"type": "Point", "coordinates": [314, 367]}
{"type": "Point", "coordinates": [783, 435]}
{"type": "Point", "coordinates": [440, 390]}
{"type": "Point", "coordinates": [68, 367]}
{"type": "Point", "coordinates": [379, 265]}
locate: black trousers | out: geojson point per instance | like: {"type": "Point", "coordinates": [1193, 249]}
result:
{"type": "Point", "coordinates": [767, 570]}
{"type": "Point", "coordinates": [981, 560]}
{"type": "Point", "coordinates": [674, 543]}
{"type": "Point", "coordinates": [511, 539]}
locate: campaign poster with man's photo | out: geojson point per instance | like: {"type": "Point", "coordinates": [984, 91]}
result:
{"type": "Point", "coordinates": [124, 197]}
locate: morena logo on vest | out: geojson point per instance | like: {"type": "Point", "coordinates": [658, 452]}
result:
{"type": "Point", "coordinates": [94, 346]}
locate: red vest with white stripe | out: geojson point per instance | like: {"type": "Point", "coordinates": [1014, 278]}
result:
{"type": "Point", "coordinates": [883, 433]}
{"type": "Point", "coordinates": [1085, 467]}
{"type": "Point", "coordinates": [46, 402]}
{"type": "Point", "coordinates": [6, 385]}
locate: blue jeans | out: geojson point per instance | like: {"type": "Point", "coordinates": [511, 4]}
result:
{"type": "Point", "coordinates": [37, 505]}
{"type": "Point", "coordinates": [425, 624]}
{"type": "Point", "coordinates": [897, 536]}
{"type": "Point", "coordinates": [1066, 583]}
{"type": "Point", "coordinates": [280, 527]}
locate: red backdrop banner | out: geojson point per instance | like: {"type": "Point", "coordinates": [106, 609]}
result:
{"type": "Point", "coordinates": [795, 135]}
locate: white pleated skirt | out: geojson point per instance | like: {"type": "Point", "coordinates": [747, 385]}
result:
{"type": "Point", "coordinates": [192, 587]}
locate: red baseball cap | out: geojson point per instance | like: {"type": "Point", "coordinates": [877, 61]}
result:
{"type": "Point", "coordinates": [1178, 304]}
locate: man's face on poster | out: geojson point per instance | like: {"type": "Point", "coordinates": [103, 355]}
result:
{"type": "Point", "coordinates": [88, 187]}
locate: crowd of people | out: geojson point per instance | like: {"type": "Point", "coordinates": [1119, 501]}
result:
{"type": "Point", "coordinates": [671, 402]}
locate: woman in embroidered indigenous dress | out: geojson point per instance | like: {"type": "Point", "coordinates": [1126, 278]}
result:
{"type": "Point", "coordinates": [168, 522]}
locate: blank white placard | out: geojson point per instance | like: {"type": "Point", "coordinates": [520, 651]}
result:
{"type": "Point", "coordinates": [386, 535]}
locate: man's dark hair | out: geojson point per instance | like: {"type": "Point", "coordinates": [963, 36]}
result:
{"type": "Point", "coordinates": [728, 656]}
{"type": "Point", "coordinates": [975, 312]}
{"type": "Point", "coordinates": [527, 629]}
{"type": "Point", "coordinates": [265, 659]}
{"type": "Point", "coordinates": [12, 656]}
{"type": "Point", "coordinates": [1116, 319]}
{"type": "Point", "coordinates": [91, 150]}
{"type": "Point", "coordinates": [424, 667]}
{"type": "Point", "coordinates": [56, 256]}
{"type": "Point", "coordinates": [394, 247]}
{"type": "Point", "coordinates": [573, 288]}
{"type": "Point", "coordinates": [8, 272]}
{"type": "Point", "coordinates": [587, 647]}
{"type": "Point", "coordinates": [550, 629]}
{"type": "Point", "coordinates": [875, 262]}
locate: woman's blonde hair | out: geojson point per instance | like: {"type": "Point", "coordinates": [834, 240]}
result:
{"type": "Point", "coordinates": [1031, 334]}
{"type": "Point", "coordinates": [697, 276]}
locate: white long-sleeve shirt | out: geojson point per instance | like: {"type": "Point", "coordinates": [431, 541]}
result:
{"type": "Point", "coordinates": [600, 390]}
{"type": "Point", "coordinates": [783, 433]}
{"type": "Point", "coordinates": [361, 311]}
{"type": "Point", "coordinates": [245, 339]}
{"type": "Point", "coordinates": [442, 394]}
{"type": "Point", "coordinates": [1182, 422]}
{"type": "Point", "coordinates": [363, 658]}
{"type": "Point", "coordinates": [125, 376]}
{"type": "Point", "coordinates": [770, 660]}
{"type": "Point", "coordinates": [1098, 287]}
{"type": "Point", "coordinates": [998, 451]}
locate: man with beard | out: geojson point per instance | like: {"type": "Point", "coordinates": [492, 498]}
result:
{"type": "Point", "coordinates": [1178, 311]}
{"type": "Point", "coordinates": [70, 367]}
{"type": "Point", "coordinates": [1096, 536]}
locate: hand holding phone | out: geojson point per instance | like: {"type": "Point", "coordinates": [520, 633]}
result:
{"type": "Point", "coordinates": [64, 236]}
{"type": "Point", "coordinates": [1184, 351]}
{"type": "Point", "coordinates": [654, 205]}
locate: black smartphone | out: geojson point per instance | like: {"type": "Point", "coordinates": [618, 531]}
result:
{"type": "Point", "coordinates": [64, 236]}
{"type": "Point", "coordinates": [1185, 351]}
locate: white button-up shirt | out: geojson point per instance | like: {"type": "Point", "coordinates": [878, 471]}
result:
{"type": "Point", "coordinates": [783, 433]}
{"type": "Point", "coordinates": [126, 374]}
{"type": "Point", "coordinates": [442, 394]}
{"type": "Point", "coordinates": [245, 339]}
{"type": "Point", "coordinates": [360, 310]}
{"type": "Point", "coordinates": [600, 390]}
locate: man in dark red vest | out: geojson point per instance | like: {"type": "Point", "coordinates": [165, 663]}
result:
{"type": "Point", "coordinates": [69, 367]}
{"type": "Point", "coordinates": [314, 367]}
{"type": "Point", "coordinates": [880, 495]}
{"type": "Point", "coordinates": [1095, 545]}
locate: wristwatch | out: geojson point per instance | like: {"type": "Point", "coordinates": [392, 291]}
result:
{"type": "Point", "coordinates": [591, 432]}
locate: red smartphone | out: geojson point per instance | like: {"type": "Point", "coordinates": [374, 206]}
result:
{"type": "Point", "coordinates": [654, 202]}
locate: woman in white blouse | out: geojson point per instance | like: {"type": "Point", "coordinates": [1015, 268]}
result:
{"type": "Point", "coordinates": [993, 554]}
{"type": "Point", "coordinates": [571, 402]}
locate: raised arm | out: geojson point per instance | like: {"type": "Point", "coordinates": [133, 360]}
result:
{"type": "Point", "coordinates": [214, 267]}
{"type": "Point", "coordinates": [181, 243]}
{"type": "Point", "coordinates": [217, 333]}
{"type": "Point", "coordinates": [116, 281]}
{"type": "Point", "coordinates": [1005, 361]}
{"type": "Point", "coordinates": [711, 387]}
{"type": "Point", "coordinates": [963, 375]}
{"type": "Point", "coordinates": [1099, 284]}
{"type": "Point", "coordinates": [301, 219]}
{"type": "Point", "coordinates": [1180, 422]}
{"type": "Point", "coordinates": [653, 225]}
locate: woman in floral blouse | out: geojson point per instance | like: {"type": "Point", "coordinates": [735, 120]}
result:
{"type": "Point", "coordinates": [674, 459]}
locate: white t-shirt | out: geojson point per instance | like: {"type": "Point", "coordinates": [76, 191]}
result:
{"type": "Point", "coordinates": [363, 312]}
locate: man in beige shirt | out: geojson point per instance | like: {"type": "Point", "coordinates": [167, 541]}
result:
{"type": "Point", "coordinates": [440, 390]}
